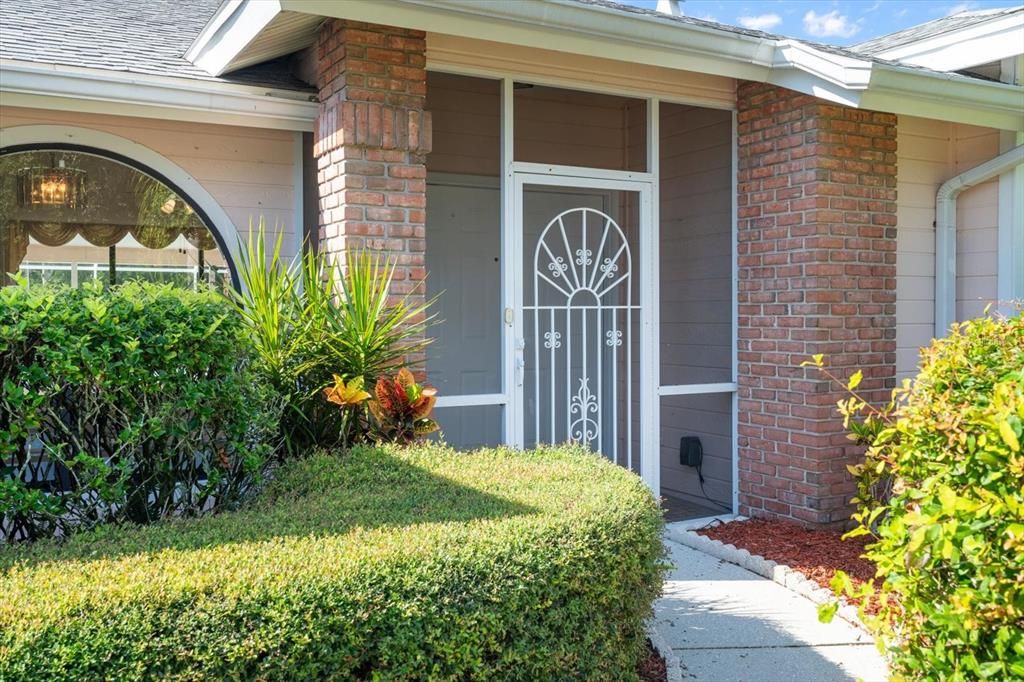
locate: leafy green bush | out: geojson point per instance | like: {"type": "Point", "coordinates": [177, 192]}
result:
{"type": "Point", "coordinates": [309, 319]}
{"type": "Point", "coordinates": [128, 404]}
{"type": "Point", "coordinates": [413, 563]}
{"type": "Point", "coordinates": [950, 533]}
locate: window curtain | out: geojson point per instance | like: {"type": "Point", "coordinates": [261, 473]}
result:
{"type": "Point", "coordinates": [150, 236]}
{"type": "Point", "coordinates": [13, 247]}
{"type": "Point", "coordinates": [155, 236]}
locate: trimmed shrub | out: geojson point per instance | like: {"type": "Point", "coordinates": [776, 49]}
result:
{"type": "Point", "coordinates": [950, 530]}
{"type": "Point", "coordinates": [126, 404]}
{"type": "Point", "coordinates": [383, 563]}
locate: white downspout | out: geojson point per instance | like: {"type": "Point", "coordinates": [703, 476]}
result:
{"type": "Point", "coordinates": [945, 230]}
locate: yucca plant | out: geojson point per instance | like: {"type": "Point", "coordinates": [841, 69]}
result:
{"type": "Point", "coordinates": [310, 320]}
{"type": "Point", "coordinates": [378, 331]}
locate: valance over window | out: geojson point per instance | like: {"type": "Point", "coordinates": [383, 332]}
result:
{"type": "Point", "coordinates": [120, 220]}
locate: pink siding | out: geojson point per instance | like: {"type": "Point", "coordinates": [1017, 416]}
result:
{"type": "Point", "coordinates": [455, 54]}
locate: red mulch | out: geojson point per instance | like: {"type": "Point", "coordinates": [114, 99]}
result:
{"type": "Point", "coordinates": [817, 554]}
{"type": "Point", "coordinates": [652, 667]}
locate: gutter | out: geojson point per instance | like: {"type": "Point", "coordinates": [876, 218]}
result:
{"type": "Point", "coordinates": [52, 86]}
{"type": "Point", "coordinates": [608, 32]}
{"type": "Point", "coordinates": [945, 230]}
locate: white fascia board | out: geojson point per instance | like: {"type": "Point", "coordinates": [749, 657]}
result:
{"type": "Point", "coordinates": [567, 27]}
{"type": "Point", "coordinates": [224, 12]}
{"type": "Point", "coordinates": [237, 22]}
{"type": "Point", "coordinates": [599, 31]}
{"type": "Point", "coordinates": [52, 86]}
{"type": "Point", "coordinates": [829, 76]}
{"type": "Point", "coordinates": [961, 49]}
{"type": "Point", "coordinates": [945, 97]}
{"type": "Point", "coordinates": [846, 72]}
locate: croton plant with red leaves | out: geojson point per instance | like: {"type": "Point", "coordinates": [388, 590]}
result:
{"type": "Point", "coordinates": [401, 408]}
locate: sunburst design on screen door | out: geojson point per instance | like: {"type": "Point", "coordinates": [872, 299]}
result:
{"type": "Point", "coordinates": [581, 312]}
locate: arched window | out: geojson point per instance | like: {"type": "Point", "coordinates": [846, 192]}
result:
{"type": "Point", "coordinates": [69, 215]}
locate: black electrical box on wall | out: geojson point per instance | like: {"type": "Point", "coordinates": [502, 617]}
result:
{"type": "Point", "coordinates": [691, 452]}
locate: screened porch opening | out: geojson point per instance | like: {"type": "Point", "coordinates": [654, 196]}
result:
{"type": "Point", "coordinates": [539, 339]}
{"type": "Point", "coordinates": [463, 258]}
{"type": "Point", "coordinates": [697, 335]}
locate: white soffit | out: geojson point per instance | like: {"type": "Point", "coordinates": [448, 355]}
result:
{"type": "Point", "coordinates": [265, 29]}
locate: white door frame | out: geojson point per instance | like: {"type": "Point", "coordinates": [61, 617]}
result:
{"type": "Point", "coordinates": [585, 178]}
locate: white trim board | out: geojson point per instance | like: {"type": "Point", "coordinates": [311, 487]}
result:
{"type": "Point", "coordinates": [1010, 278]}
{"type": "Point", "coordinates": [298, 192]}
{"type": "Point", "coordinates": [68, 88]}
{"type": "Point", "coordinates": [473, 400]}
{"type": "Point", "coordinates": [697, 389]}
{"type": "Point", "coordinates": [598, 31]}
{"type": "Point", "coordinates": [946, 229]}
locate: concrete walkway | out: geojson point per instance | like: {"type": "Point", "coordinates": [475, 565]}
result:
{"type": "Point", "coordinates": [726, 623]}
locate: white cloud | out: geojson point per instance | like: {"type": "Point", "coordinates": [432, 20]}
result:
{"type": "Point", "coordinates": [829, 25]}
{"type": "Point", "coordinates": [761, 22]}
{"type": "Point", "coordinates": [960, 7]}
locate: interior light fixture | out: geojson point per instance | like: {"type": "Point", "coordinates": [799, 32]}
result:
{"type": "Point", "coordinates": [53, 185]}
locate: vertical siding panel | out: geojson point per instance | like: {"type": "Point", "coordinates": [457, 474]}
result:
{"type": "Point", "coordinates": [977, 217]}
{"type": "Point", "coordinates": [931, 152]}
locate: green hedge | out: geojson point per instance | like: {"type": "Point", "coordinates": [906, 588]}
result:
{"type": "Point", "coordinates": [393, 564]}
{"type": "Point", "coordinates": [950, 538]}
{"type": "Point", "coordinates": [142, 398]}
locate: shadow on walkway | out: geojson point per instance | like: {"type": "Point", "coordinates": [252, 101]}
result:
{"type": "Point", "coordinates": [728, 624]}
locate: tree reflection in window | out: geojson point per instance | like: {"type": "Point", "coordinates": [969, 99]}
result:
{"type": "Point", "coordinates": [122, 224]}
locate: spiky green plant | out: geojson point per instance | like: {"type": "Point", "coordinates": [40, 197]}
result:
{"type": "Point", "coordinates": [310, 320]}
{"type": "Point", "coordinates": [378, 331]}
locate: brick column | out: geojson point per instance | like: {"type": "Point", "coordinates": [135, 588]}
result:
{"type": "Point", "coordinates": [817, 274]}
{"type": "Point", "coordinates": [372, 138]}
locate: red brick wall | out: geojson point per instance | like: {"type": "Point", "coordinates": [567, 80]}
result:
{"type": "Point", "coordinates": [371, 142]}
{"type": "Point", "coordinates": [817, 274]}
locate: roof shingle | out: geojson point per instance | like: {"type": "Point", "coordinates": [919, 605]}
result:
{"type": "Point", "coordinates": [136, 36]}
{"type": "Point", "coordinates": [931, 29]}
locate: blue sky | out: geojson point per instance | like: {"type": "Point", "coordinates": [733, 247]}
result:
{"type": "Point", "coordinates": [836, 22]}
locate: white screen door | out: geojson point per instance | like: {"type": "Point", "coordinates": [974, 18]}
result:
{"type": "Point", "coordinates": [579, 295]}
